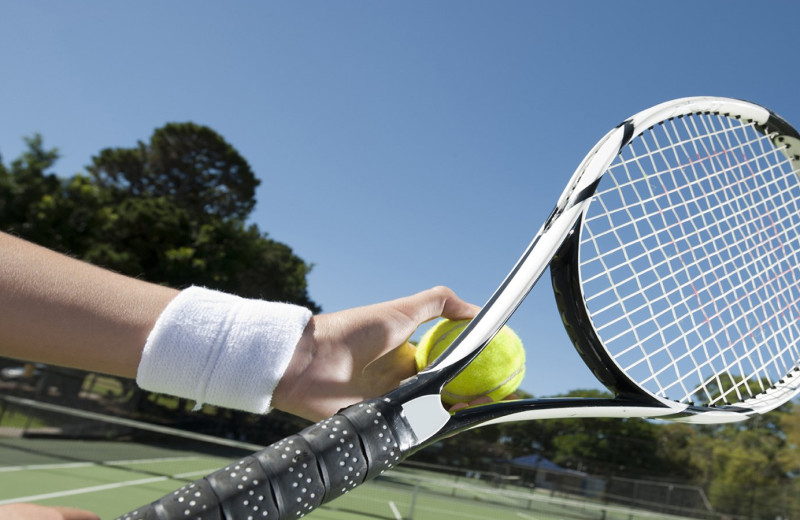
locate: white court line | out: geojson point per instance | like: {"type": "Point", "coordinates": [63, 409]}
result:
{"type": "Point", "coordinates": [440, 512]}
{"type": "Point", "coordinates": [67, 465]}
{"type": "Point", "coordinates": [7, 469]}
{"type": "Point", "coordinates": [58, 494]}
{"type": "Point", "coordinates": [104, 487]}
{"type": "Point", "coordinates": [146, 461]}
{"type": "Point", "coordinates": [395, 512]}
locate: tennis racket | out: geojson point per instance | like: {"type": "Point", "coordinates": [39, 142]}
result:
{"type": "Point", "coordinates": [674, 254]}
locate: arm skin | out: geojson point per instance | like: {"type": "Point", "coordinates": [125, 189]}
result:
{"type": "Point", "coordinates": [58, 310]}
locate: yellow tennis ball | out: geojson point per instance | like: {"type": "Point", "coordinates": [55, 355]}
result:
{"type": "Point", "coordinates": [496, 372]}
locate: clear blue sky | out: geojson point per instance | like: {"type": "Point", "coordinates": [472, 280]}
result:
{"type": "Point", "coordinates": [400, 144]}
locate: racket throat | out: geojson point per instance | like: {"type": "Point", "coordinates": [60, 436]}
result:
{"type": "Point", "coordinates": [425, 416]}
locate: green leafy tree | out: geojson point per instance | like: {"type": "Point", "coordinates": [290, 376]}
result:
{"type": "Point", "coordinates": [24, 185]}
{"type": "Point", "coordinates": [746, 470]}
{"type": "Point", "coordinates": [190, 164]}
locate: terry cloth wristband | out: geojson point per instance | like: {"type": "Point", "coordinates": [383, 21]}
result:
{"type": "Point", "coordinates": [221, 349]}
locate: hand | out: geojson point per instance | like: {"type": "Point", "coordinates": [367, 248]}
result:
{"type": "Point", "coordinates": [35, 512]}
{"type": "Point", "coordinates": [348, 356]}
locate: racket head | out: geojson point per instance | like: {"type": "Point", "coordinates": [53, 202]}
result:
{"type": "Point", "coordinates": [679, 283]}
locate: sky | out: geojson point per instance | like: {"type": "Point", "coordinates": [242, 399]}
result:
{"type": "Point", "coordinates": [400, 145]}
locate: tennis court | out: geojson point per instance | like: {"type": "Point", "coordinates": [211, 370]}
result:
{"type": "Point", "coordinates": [112, 477]}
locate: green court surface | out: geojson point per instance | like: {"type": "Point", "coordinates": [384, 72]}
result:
{"type": "Point", "coordinates": [112, 478]}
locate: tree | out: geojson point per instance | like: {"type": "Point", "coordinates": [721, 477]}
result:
{"type": "Point", "coordinates": [24, 185]}
{"type": "Point", "coordinates": [189, 164]}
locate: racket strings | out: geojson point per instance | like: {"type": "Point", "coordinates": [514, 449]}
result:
{"type": "Point", "coordinates": [689, 260]}
{"type": "Point", "coordinates": [702, 232]}
{"type": "Point", "coordinates": [654, 266]}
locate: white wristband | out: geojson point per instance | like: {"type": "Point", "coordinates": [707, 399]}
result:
{"type": "Point", "coordinates": [221, 349]}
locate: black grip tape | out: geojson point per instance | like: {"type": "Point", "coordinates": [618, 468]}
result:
{"type": "Point", "coordinates": [196, 501]}
{"type": "Point", "coordinates": [379, 441]}
{"type": "Point", "coordinates": [294, 476]}
{"type": "Point", "coordinates": [293, 473]}
{"type": "Point", "coordinates": [244, 490]}
{"type": "Point", "coordinates": [320, 463]}
{"type": "Point", "coordinates": [147, 512]}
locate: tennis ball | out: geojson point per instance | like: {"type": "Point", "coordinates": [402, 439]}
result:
{"type": "Point", "coordinates": [496, 372]}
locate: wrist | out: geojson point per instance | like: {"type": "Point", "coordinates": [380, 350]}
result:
{"type": "Point", "coordinates": [292, 389]}
{"type": "Point", "coordinates": [221, 349]}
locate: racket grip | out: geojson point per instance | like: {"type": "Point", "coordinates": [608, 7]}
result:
{"type": "Point", "coordinates": [293, 476]}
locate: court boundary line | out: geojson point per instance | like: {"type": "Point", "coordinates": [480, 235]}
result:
{"type": "Point", "coordinates": [69, 465]}
{"type": "Point", "coordinates": [103, 487]}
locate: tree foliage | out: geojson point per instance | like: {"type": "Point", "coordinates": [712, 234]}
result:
{"type": "Point", "coordinates": [746, 470]}
{"type": "Point", "coordinates": [170, 212]}
{"type": "Point", "coordinates": [189, 164]}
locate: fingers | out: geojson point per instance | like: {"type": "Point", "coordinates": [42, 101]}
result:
{"type": "Point", "coordinates": [37, 512]}
{"type": "Point", "coordinates": [386, 372]}
{"type": "Point", "coordinates": [438, 302]}
{"type": "Point", "coordinates": [70, 513]}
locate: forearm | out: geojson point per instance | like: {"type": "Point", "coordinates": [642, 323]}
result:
{"type": "Point", "coordinates": [58, 310]}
